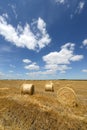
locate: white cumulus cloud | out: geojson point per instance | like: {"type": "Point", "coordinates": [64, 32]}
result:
{"type": "Point", "coordinates": [60, 60]}
{"type": "Point", "coordinates": [64, 56]}
{"type": "Point", "coordinates": [32, 66]}
{"type": "Point", "coordinates": [56, 67]}
{"type": "Point", "coordinates": [26, 61]}
{"type": "Point", "coordinates": [84, 70]}
{"type": "Point", "coordinates": [84, 42]}
{"type": "Point", "coordinates": [25, 37]}
{"type": "Point", "coordinates": [77, 58]}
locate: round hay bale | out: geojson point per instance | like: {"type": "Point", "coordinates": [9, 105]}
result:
{"type": "Point", "coordinates": [27, 89]}
{"type": "Point", "coordinates": [49, 87]}
{"type": "Point", "coordinates": [67, 96]}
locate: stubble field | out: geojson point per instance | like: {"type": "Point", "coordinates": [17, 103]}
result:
{"type": "Point", "coordinates": [42, 110]}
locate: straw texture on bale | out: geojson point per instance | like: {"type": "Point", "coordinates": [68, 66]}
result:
{"type": "Point", "coordinates": [27, 89]}
{"type": "Point", "coordinates": [49, 87]}
{"type": "Point", "coordinates": [67, 96]}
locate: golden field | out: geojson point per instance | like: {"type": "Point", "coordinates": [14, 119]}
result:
{"type": "Point", "coordinates": [42, 110]}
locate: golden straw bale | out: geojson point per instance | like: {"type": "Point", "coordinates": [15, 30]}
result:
{"type": "Point", "coordinates": [67, 96]}
{"type": "Point", "coordinates": [49, 87]}
{"type": "Point", "coordinates": [27, 89]}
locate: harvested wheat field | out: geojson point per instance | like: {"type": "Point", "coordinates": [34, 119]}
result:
{"type": "Point", "coordinates": [43, 110]}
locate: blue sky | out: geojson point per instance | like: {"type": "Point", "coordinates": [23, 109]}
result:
{"type": "Point", "coordinates": [44, 39]}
